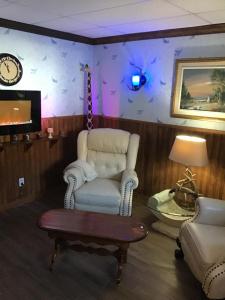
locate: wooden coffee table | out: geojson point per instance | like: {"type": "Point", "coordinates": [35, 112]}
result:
{"type": "Point", "coordinates": [68, 226]}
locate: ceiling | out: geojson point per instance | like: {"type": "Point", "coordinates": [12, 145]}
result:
{"type": "Point", "coordinates": [101, 18]}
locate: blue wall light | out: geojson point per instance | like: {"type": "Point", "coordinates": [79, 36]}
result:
{"type": "Point", "coordinates": [137, 81]}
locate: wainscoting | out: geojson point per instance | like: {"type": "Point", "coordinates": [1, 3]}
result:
{"type": "Point", "coordinates": [156, 172]}
{"type": "Point", "coordinates": [42, 162]}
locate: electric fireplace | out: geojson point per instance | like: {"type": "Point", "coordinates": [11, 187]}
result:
{"type": "Point", "coordinates": [20, 111]}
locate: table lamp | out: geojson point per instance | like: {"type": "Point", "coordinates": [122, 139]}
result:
{"type": "Point", "coordinates": [190, 151]}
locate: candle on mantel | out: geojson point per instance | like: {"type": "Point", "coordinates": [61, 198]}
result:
{"type": "Point", "coordinates": [50, 132]}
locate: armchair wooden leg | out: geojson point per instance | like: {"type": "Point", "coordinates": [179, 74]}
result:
{"type": "Point", "coordinates": [178, 253]}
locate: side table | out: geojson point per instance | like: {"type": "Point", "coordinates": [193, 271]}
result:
{"type": "Point", "coordinates": [169, 213]}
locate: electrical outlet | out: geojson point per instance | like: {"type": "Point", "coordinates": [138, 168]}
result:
{"type": "Point", "coordinates": [21, 182]}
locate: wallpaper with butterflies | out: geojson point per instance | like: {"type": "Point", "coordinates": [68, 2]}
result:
{"type": "Point", "coordinates": [54, 66]}
{"type": "Point", "coordinates": [115, 63]}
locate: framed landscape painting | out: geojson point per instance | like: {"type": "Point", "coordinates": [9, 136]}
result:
{"type": "Point", "coordinates": [199, 89]}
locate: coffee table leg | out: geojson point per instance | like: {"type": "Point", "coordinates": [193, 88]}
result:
{"type": "Point", "coordinates": [122, 259]}
{"type": "Point", "coordinates": [54, 254]}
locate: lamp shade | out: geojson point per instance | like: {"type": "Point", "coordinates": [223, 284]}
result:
{"type": "Point", "coordinates": [189, 151]}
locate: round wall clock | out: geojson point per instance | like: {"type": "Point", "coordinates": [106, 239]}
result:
{"type": "Point", "coordinates": [11, 70]}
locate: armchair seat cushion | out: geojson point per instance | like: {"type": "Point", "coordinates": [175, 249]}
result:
{"type": "Point", "coordinates": [207, 248]}
{"type": "Point", "coordinates": [100, 192]}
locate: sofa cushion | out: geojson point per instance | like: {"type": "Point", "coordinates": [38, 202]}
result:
{"type": "Point", "coordinates": [93, 193]}
{"type": "Point", "coordinates": [206, 243]}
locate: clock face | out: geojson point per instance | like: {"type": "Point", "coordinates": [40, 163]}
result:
{"type": "Point", "coordinates": [11, 70]}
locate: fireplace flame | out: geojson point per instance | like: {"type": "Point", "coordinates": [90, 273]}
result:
{"type": "Point", "coordinates": [15, 123]}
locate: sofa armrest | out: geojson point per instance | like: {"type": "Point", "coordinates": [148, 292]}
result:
{"type": "Point", "coordinates": [129, 182]}
{"type": "Point", "coordinates": [209, 211]}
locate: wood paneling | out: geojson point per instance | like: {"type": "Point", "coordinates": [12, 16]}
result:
{"type": "Point", "coordinates": [40, 163]}
{"type": "Point", "coordinates": [156, 172]}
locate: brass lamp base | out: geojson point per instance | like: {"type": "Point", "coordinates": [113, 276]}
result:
{"type": "Point", "coordinates": [186, 191]}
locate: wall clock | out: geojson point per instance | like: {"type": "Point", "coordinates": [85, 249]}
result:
{"type": "Point", "coordinates": [11, 70]}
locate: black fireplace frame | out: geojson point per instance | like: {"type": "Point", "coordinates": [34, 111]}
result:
{"type": "Point", "coordinates": [25, 95]}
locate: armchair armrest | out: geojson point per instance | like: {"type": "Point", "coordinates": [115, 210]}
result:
{"type": "Point", "coordinates": [213, 283]}
{"type": "Point", "coordinates": [129, 182]}
{"type": "Point", "coordinates": [129, 176]}
{"type": "Point", "coordinates": [86, 170]}
{"type": "Point", "coordinates": [75, 178]}
{"type": "Point", "coordinates": [70, 173]}
{"type": "Point", "coordinates": [209, 211]}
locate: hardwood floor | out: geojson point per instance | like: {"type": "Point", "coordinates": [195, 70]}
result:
{"type": "Point", "coordinates": [151, 272]}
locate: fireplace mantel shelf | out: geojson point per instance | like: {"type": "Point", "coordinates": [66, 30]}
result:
{"type": "Point", "coordinates": [28, 143]}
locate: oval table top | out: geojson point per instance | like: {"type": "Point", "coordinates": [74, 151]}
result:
{"type": "Point", "coordinates": [91, 224]}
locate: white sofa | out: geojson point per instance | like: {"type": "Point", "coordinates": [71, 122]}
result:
{"type": "Point", "coordinates": [203, 244]}
{"type": "Point", "coordinates": [103, 177]}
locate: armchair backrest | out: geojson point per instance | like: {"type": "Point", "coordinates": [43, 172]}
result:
{"type": "Point", "coordinates": [109, 151]}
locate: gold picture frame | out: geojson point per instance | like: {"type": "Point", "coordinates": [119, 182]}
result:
{"type": "Point", "coordinates": [199, 89]}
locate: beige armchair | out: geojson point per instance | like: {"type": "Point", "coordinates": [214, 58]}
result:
{"type": "Point", "coordinates": [103, 177]}
{"type": "Point", "coordinates": [202, 240]}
